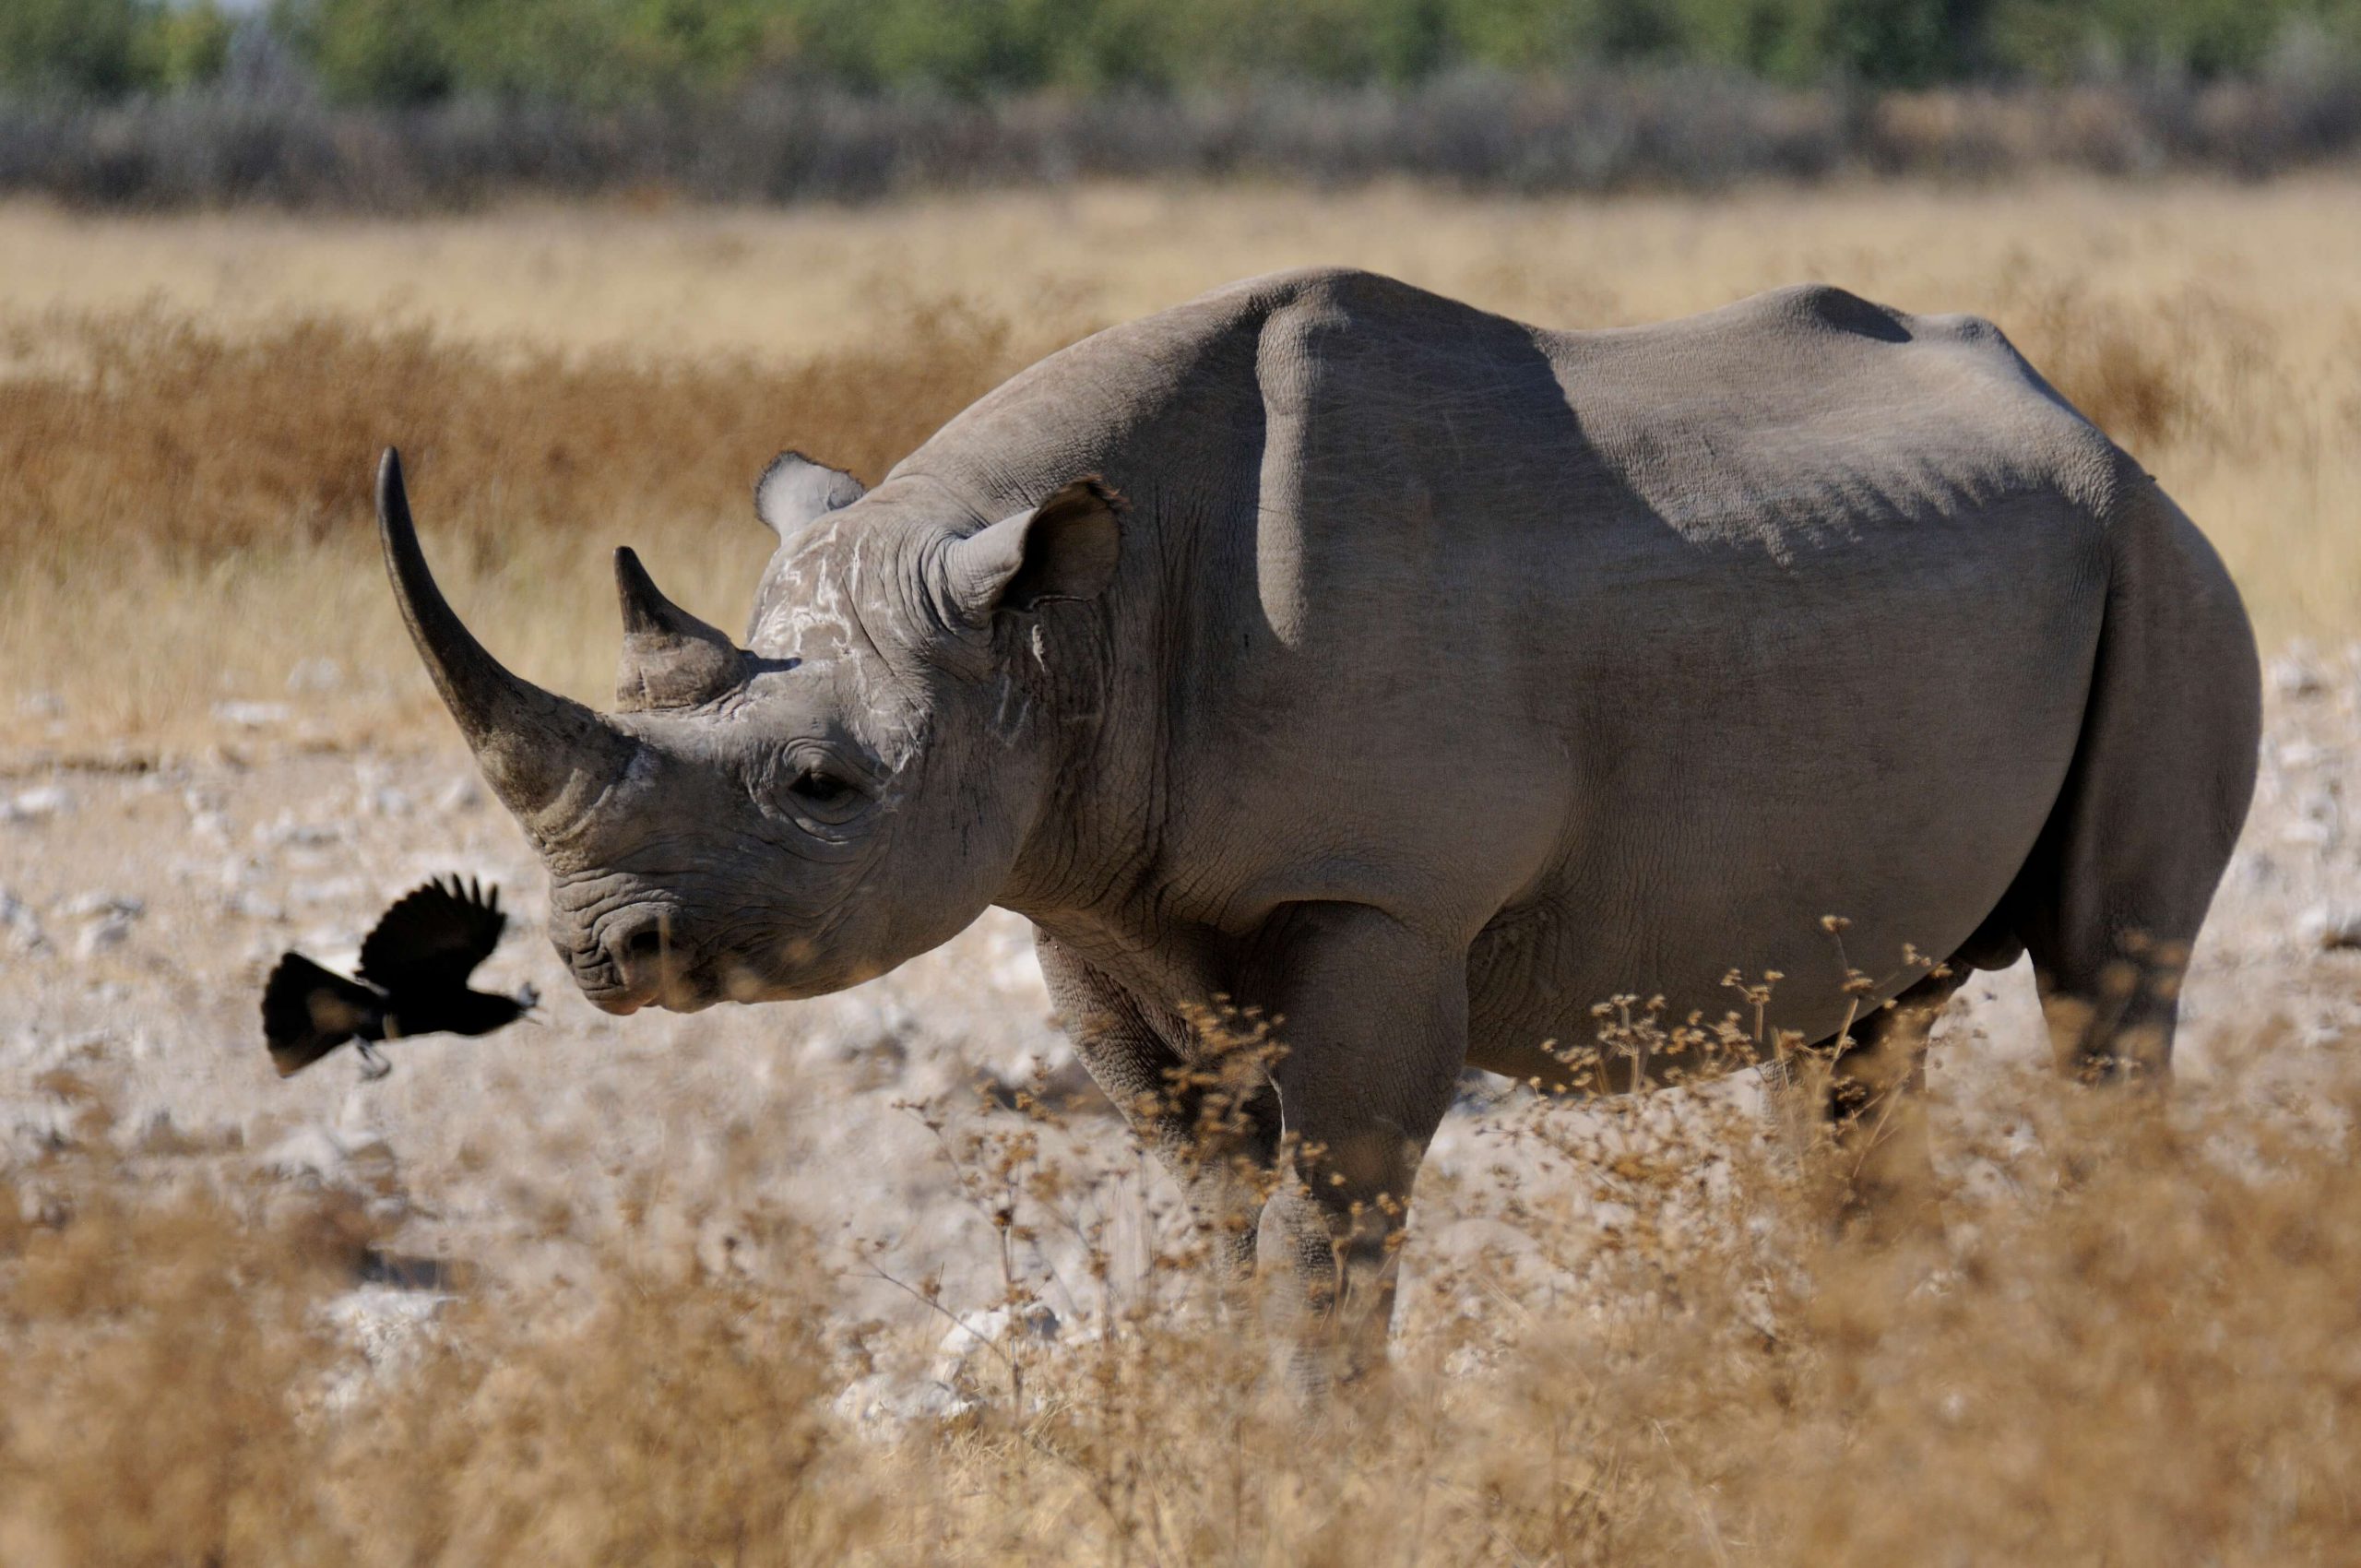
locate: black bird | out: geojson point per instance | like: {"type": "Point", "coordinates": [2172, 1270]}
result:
{"type": "Point", "coordinates": [416, 965]}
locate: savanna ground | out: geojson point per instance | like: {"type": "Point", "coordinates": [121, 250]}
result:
{"type": "Point", "coordinates": [664, 1290]}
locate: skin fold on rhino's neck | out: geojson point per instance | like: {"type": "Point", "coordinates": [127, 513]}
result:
{"type": "Point", "coordinates": [1170, 414]}
{"type": "Point", "coordinates": [1101, 720]}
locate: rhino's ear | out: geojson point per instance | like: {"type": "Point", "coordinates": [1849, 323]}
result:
{"type": "Point", "coordinates": [1065, 548]}
{"type": "Point", "coordinates": [795, 491]}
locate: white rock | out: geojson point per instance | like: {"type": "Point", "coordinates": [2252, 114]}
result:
{"type": "Point", "coordinates": [2319, 821]}
{"type": "Point", "coordinates": [1469, 1362]}
{"type": "Point", "coordinates": [2295, 674]}
{"type": "Point", "coordinates": [205, 818]}
{"type": "Point", "coordinates": [385, 801]}
{"type": "Point", "coordinates": [462, 795]}
{"type": "Point", "coordinates": [105, 904]}
{"type": "Point", "coordinates": [881, 1403]}
{"type": "Point", "coordinates": [978, 1337]}
{"type": "Point", "coordinates": [36, 804]}
{"type": "Point", "coordinates": [965, 1366]}
{"type": "Point", "coordinates": [2330, 926]}
{"type": "Point", "coordinates": [379, 1314]}
{"type": "Point", "coordinates": [328, 890]}
{"type": "Point", "coordinates": [391, 1329]}
{"type": "Point", "coordinates": [101, 934]}
{"type": "Point", "coordinates": [360, 1118]}
{"type": "Point", "coordinates": [825, 1048]}
{"type": "Point", "coordinates": [253, 715]}
{"type": "Point", "coordinates": [25, 935]}
{"type": "Point", "coordinates": [30, 1128]}
{"type": "Point", "coordinates": [312, 1151]}
{"type": "Point", "coordinates": [283, 831]}
{"type": "Point", "coordinates": [255, 905]}
{"type": "Point", "coordinates": [315, 676]}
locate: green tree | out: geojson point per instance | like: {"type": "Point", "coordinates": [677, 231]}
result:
{"type": "Point", "coordinates": [183, 46]}
{"type": "Point", "coordinates": [373, 51]}
{"type": "Point", "coordinates": [76, 46]}
{"type": "Point", "coordinates": [608, 51]}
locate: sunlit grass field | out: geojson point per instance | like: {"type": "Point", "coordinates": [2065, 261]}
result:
{"type": "Point", "coordinates": [2129, 1332]}
{"type": "Point", "coordinates": [193, 403]}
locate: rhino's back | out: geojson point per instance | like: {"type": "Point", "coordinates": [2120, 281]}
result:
{"type": "Point", "coordinates": [1786, 417]}
{"type": "Point", "coordinates": [1794, 416]}
{"type": "Point", "coordinates": [1790, 419]}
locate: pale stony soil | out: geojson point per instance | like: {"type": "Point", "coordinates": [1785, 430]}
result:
{"type": "Point", "coordinates": [141, 906]}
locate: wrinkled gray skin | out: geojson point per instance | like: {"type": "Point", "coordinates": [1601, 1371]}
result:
{"type": "Point", "coordinates": [1422, 677]}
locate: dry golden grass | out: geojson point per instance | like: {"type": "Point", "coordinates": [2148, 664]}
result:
{"type": "Point", "coordinates": [187, 433]}
{"type": "Point", "coordinates": [185, 514]}
{"type": "Point", "coordinates": [2137, 1338]}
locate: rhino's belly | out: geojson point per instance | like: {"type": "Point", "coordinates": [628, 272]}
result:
{"type": "Point", "coordinates": [1568, 974]}
{"type": "Point", "coordinates": [1701, 862]}
{"type": "Point", "coordinates": [1876, 735]}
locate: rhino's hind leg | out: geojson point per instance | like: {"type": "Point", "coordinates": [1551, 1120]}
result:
{"type": "Point", "coordinates": [2113, 896]}
{"type": "Point", "coordinates": [1875, 1102]}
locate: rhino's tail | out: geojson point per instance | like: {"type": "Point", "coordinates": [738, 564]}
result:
{"type": "Point", "coordinates": [308, 1011]}
{"type": "Point", "coordinates": [2118, 883]}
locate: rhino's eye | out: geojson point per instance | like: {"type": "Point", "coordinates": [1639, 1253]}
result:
{"type": "Point", "coordinates": [815, 788]}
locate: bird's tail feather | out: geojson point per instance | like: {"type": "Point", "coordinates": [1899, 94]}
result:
{"type": "Point", "coordinates": [308, 1012]}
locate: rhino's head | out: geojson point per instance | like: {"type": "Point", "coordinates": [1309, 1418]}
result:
{"type": "Point", "coordinates": [791, 817]}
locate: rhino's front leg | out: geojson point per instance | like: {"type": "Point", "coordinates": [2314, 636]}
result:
{"type": "Point", "coordinates": [1374, 1019]}
{"type": "Point", "coordinates": [1217, 1134]}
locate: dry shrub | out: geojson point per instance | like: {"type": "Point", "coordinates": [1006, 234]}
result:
{"type": "Point", "coordinates": [162, 1353]}
{"type": "Point", "coordinates": [146, 432]}
{"type": "Point", "coordinates": [2179, 371]}
{"type": "Point", "coordinates": [2130, 1331]}
{"type": "Point", "coordinates": [186, 518]}
{"type": "Point", "coordinates": [184, 513]}
{"type": "Point", "coordinates": [1646, 126]}
{"type": "Point", "coordinates": [671, 1419]}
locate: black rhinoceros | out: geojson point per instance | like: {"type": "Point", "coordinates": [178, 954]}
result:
{"type": "Point", "coordinates": [1420, 679]}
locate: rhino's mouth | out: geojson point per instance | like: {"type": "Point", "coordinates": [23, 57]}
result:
{"type": "Point", "coordinates": [640, 954]}
{"type": "Point", "coordinates": [632, 961]}
{"type": "Point", "coordinates": [676, 992]}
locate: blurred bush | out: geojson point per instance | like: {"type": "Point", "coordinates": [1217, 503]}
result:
{"type": "Point", "coordinates": [611, 52]}
{"type": "Point", "coordinates": [396, 103]}
{"type": "Point", "coordinates": [1641, 127]}
{"type": "Point", "coordinates": [107, 48]}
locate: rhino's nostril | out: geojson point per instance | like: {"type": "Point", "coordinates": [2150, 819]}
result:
{"type": "Point", "coordinates": [638, 947]}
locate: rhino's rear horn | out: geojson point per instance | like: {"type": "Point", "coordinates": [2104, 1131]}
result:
{"type": "Point", "coordinates": [535, 749]}
{"type": "Point", "coordinates": [671, 659]}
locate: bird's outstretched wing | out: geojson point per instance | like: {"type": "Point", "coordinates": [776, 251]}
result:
{"type": "Point", "coordinates": [434, 937]}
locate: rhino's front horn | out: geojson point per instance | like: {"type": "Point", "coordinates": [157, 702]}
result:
{"type": "Point", "coordinates": [546, 756]}
{"type": "Point", "coordinates": [670, 658]}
